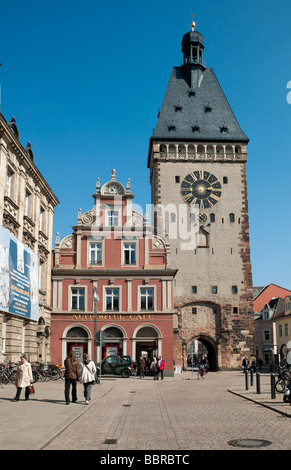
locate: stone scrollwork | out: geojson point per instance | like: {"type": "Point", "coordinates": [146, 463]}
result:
{"type": "Point", "coordinates": [87, 217]}
{"type": "Point", "coordinates": [137, 218]}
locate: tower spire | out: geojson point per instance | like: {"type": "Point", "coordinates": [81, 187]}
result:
{"type": "Point", "coordinates": [192, 24]}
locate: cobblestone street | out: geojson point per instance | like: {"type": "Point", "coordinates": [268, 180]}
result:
{"type": "Point", "coordinates": [176, 414]}
{"type": "Point", "coordinates": [179, 413]}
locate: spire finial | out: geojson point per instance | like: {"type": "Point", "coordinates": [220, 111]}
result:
{"type": "Point", "coordinates": [193, 24]}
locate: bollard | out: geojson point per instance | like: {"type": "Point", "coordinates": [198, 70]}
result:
{"type": "Point", "coordinates": [273, 392]}
{"type": "Point", "coordinates": [247, 380]}
{"type": "Point", "coordinates": [258, 377]}
{"type": "Point", "coordinates": [252, 377]}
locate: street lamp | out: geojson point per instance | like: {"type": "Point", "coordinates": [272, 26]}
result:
{"type": "Point", "coordinates": [95, 298]}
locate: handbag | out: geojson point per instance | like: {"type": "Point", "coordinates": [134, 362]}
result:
{"type": "Point", "coordinates": [31, 390]}
{"type": "Point", "coordinates": [94, 378]}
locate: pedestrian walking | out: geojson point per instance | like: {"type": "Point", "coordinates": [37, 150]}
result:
{"type": "Point", "coordinates": [141, 367]}
{"type": "Point", "coordinates": [161, 367]}
{"type": "Point", "coordinates": [23, 378]}
{"type": "Point", "coordinates": [87, 376]}
{"type": "Point", "coordinates": [72, 376]}
{"type": "Point", "coordinates": [245, 364]}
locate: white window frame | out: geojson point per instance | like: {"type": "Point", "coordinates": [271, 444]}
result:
{"type": "Point", "coordinates": [140, 296]}
{"type": "Point", "coordinates": [97, 249]}
{"type": "Point", "coordinates": [27, 203]}
{"type": "Point", "coordinates": [79, 286]}
{"type": "Point", "coordinates": [129, 242]}
{"type": "Point", "coordinates": [42, 219]}
{"type": "Point", "coordinates": [113, 217]}
{"type": "Point", "coordinates": [107, 288]}
{"type": "Point", "coordinates": [9, 177]}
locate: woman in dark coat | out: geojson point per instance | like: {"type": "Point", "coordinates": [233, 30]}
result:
{"type": "Point", "coordinates": [141, 367]}
{"type": "Point", "coordinates": [72, 376]}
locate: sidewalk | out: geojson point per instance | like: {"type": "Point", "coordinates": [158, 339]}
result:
{"type": "Point", "coordinates": [264, 398]}
{"type": "Point", "coordinates": [26, 426]}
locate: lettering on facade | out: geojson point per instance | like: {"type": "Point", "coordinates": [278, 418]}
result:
{"type": "Point", "coordinates": [135, 317]}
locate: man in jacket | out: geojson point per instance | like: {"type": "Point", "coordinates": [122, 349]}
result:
{"type": "Point", "coordinates": [72, 376]}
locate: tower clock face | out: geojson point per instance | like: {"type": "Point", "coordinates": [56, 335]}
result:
{"type": "Point", "coordinates": [202, 188]}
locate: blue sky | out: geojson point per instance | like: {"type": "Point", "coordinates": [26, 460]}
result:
{"type": "Point", "coordinates": [85, 81]}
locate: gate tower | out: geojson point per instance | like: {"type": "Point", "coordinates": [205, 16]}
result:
{"type": "Point", "coordinates": [197, 159]}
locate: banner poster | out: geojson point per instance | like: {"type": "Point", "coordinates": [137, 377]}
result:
{"type": "Point", "coordinates": [18, 277]}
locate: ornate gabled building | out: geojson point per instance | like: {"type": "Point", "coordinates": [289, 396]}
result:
{"type": "Point", "coordinates": [26, 222]}
{"type": "Point", "coordinates": [113, 253]}
{"type": "Point", "coordinates": [197, 160]}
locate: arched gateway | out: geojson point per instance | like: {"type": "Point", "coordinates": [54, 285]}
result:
{"type": "Point", "coordinates": [203, 344]}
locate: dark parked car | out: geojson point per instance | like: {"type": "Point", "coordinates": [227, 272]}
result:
{"type": "Point", "coordinates": [116, 365]}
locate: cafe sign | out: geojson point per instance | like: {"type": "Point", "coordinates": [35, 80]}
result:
{"type": "Point", "coordinates": [115, 317]}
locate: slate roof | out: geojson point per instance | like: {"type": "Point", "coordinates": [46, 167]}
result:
{"type": "Point", "coordinates": [183, 111]}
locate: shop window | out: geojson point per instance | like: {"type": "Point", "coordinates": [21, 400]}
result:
{"type": "Point", "coordinates": [77, 332]}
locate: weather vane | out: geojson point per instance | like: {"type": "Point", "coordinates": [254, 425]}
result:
{"type": "Point", "coordinates": [193, 24]}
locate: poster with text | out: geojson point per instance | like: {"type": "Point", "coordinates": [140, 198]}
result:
{"type": "Point", "coordinates": [18, 277]}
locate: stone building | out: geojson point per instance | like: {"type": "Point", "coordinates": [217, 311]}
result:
{"type": "Point", "coordinates": [112, 252]}
{"type": "Point", "coordinates": [197, 161]}
{"type": "Point", "coordinates": [26, 221]}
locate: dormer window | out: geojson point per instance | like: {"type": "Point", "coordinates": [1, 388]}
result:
{"type": "Point", "coordinates": [171, 128]}
{"type": "Point", "coordinates": [178, 108]}
{"type": "Point", "coordinates": [224, 130]}
{"type": "Point", "coordinates": [112, 217]}
{"type": "Point", "coordinates": [195, 128]}
{"type": "Point", "coordinates": [207, 109]}
{"type": "Point", "coordinates": [191, 93]}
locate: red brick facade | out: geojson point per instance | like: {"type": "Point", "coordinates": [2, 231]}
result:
{"type": "Point", "coordinates": [113, 250]}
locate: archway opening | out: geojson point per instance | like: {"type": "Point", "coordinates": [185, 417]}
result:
{"type": "Point", "coordinates": [146, 343]}
{"type": "Point", "coordinates": [77, 341]}
{"type": "Point", "coordinates": [202, 345]}
{"type": "Point", "coordinates": [113, 343]}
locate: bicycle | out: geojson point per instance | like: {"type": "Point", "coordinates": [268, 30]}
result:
{"type": "Point", "coordinates": [7, 375]}
{"type": "Point", "coordinates": [202, 371]}
{"type": "Point", "coordinates": [283, 379]}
